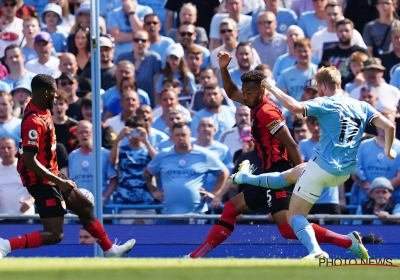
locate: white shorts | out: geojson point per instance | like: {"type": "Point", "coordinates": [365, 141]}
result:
{"type": "Point", "coordinates": [313, 180]}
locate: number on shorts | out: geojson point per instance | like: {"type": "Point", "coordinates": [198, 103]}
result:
{"type": "Point", "coordinates": [269, 197]}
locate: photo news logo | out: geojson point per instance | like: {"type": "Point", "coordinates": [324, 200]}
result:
{"type": "Point", "coordinates": [357, 262]}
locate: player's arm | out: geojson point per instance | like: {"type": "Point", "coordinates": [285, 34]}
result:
{"type": "Point", "coordinates": [230, 87]}
{"type": "Point", "coordinates": [36, 167]}
{"type": "Point", "coordinates": [283, 135]}
{"type": "Point", "coordinates": [285, 100]}
{"type": "Point", "coordinates": [389, 128]}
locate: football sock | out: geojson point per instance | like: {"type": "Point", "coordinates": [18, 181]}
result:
{"type": "Point", "coordinates": [99, 234]}
{"type": "Point", "coordinates": [31, 240]}
{"type": "Point", "coordinates": [305, 233]}
{"type": "Point", "coordinates": [323, 235]}
{"type": "Point", "coordinates": [273, 180]}
{"type": "Point", "coordinates": [219, 232]}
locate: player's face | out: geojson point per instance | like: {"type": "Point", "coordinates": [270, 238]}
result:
{"type": "Point", "coordinates": [7, 150]}
{"type": "Point", "coordinates": [252, 94]}
{"type": "Point", "coordinates": [50, 96]}
{"type": "Point", "coordinates": [85, 238]}
{"type": "Point", "coordinates": [181, 137]}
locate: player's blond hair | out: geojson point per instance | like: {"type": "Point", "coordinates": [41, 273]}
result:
{"type": "Point", "coordinates": [329, 76]}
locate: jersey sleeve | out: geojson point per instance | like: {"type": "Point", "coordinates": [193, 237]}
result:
{"type": "Point", "coordinates": [154, 165]}
{"type": "Point", "coordinates": [32, 130]}
{"type": "Point", "coordinates": [270, 118]}
{"type": "Point", "coordinates": [314, 107]}
{"type": "Point", "coordinates": [372, 113]}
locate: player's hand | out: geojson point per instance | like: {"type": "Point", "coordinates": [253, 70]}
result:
{"type": "Point", "coordinates": [392, 154]}
{"type": "Point", "coordinates": [383, 215]}
{"type": "Point", "coordinates": [206, 195]}
{"type": "Point", "coordinates": [216, 202]}
{"type": "Point", "coordinates": [25, 205]}
{"type": "Point", "coordinates": [66, 185]}
{"type": "Point", "coordinates": [124, 132]}
{"type": "Point", "coordinates": [158, 195]}
{"type": "Point", "coordinates": [223, 59]}
{"type": "Point", "coordinates": [268, 83]}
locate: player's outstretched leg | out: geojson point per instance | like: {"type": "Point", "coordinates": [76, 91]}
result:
{"type": "Point", "coordinates": [80, 205]}
{"type": "Point", "coordinates": [273, 180]}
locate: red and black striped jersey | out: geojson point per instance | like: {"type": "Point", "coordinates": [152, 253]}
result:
{"type": "Point", "coordinates": [38, 136]}
{"type": "Point", "coordinates": [266, 120]}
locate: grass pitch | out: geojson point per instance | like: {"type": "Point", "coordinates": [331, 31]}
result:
{"type": "Point", "coordinates": [184, 269]}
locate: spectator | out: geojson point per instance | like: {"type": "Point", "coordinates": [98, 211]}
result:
{"type": "Point", "coordinates": [207, 76]}
{"type": "Point", "coordinates": [372, 163]}
{"type": "Point", "coordinates": [24, 10]}
{"type": "Point", "coordinates": [123, 21]}
{"type": "Point", "coordinates": [234, 8]}
{"type": "Point", "coordinates": [368, 94]}
{"type": "Point", "coordinates": [182, 170]}
{"type": "Point", "coordinates": [158, 43]}
{"type": "Point", "coordinates": [125, 69]}
{"type": "Point", "coordinates": [229, 32]}
{"type": "Point", "coordinates": [81, 49]}
{"type": "Point", "coordinates": [107, 67]}
{"type": "Point", "coordinates": [314, 20]}
{"type": "Point", "coordinates": [249, 6]}
{"type": "Point", "coordinates": [14, 198]}
{"type": "Point", "coordinates": [380, 203]}
{"type": "Point", "coordinates": [10, 25]}
{"type": "Point", "coordinates": [300, 130]}
{"type": "Point", "coordinates": [206, 10]}
{"type": "Point", "coordinates": [356, 64]}
{"type": "Point", "coordinates": [10, 126]}
{"type": "Point", "coordinates": [339, 55]}
{"type": "Point", "coordinates": [360, 12]}
{"type": "Point", "coordinates": [206, 131]}
{"type": "Point", "coordinates": [293, 80]}
{"type": "Point", "coordinates": [168, 101]}
{"type": "Point", "coordinates": [284, 17]}
{"type": "Point", "coordinates": [132, 159]}
{"type": "Point", "coordinates": [327, 36]}
{"type": "Point", "coordinates": [194, 60]}
{"type": "Point", "coordinates": [388, 96]}
{"type": "Point", "coordinates": [231, 137]}
{"type": "Point", "coordinates": [129, 103]}
{"type": "Point", "coordinates": [69, 83]}
{"type": "Point", "coordinates": [188, 15]}
{"type": "Point", "coordinates": [155, 136]}
{"type": "Point", "coordinates": [82, 20]}
{"type": "Point", "coordinates": [63, 123]}
{"type": "Point", "coordinates": [52, 17]}
{"type": "Point", "coordinates": [68, 20]}
{"type": "Point", "coordinates": [107, 134]}
{"type": "Point", "coordinates": [14, 59]}
{"type": "Point", "coordinates": [68, 63]}
{"type": "Point", "coordinates": [289, 59]}
{"type": "Point", "coordinates": [30, 30]}
{"type": "Point", "coordinates": [158, 9]}
{"type": "Point", "coordinates": [21, 96]}
{"type": "Point", "coordinates": [45, 63]}
{"type": "Point", "coordinates": [269, 44]}
{"type": "Point", "coordinates": [176, 67]}
{"type": "Point", "coordinates": [37, 4]}
{"type": "Point", "coordinates": [147, 63]}
{"type": "Point", "coordinates": [222, 115]}
{"type": "Point", "coordinates": [377, 33]}
{"type": "Point", "coordinates": [391, 60]}
{"type": "Point", "coordinates": [84, 237]}
{"type": "Point", "coordinates": [303, 6]}
{"type": "Point", "coordinates": [81, 166]}
{"type": "Point", "coordinates": [62, 159]}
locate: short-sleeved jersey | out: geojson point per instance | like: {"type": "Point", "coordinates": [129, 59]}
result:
{"type": "Point", "coordinates": [342, 121]}
{"type": "Point", "coordinates": [266, 121]}
{"type": "Point", "coordinates": [37, 135]}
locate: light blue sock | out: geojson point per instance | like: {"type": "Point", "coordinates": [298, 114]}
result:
{"type": "Point", "coordinates": [305, 233]}
{"type": "Point", "coordinates": [273, 180]}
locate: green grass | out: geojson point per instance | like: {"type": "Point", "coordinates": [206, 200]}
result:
{"type": "Point", "coordinates": [183, 269]}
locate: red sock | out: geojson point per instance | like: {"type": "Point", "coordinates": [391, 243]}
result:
{"type": "Point", "coordinates": [324, 235]}
{"type": "Point", "coordinates": [99, 234]}
{"type": "Point", "coordinates": [31, 240]}
{"type": "Point", "coordinates": [219, 232]}
{"type": "Point", "coordinates": [286, 231]}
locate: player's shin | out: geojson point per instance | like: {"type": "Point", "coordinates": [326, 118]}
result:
{"type": "Point", "coordinates": [273, 180]}
{"type": "Point", "coordinates": [220, 232]}
{"type": "Point", "coordinates": [305, 233]}
{"type": "Point", "coordinates": [98, 232]}
{"type": "Point", "coordinates": [31, 240]}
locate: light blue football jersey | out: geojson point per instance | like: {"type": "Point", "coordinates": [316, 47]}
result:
{"type": "Point", "coordinates": [342, 121]}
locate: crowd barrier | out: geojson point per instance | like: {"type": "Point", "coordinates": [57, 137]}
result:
{"type": "Point", "coordinates": [175, 241]}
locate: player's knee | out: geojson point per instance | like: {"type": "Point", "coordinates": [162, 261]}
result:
{"type": "Point", "coordinates": [57, 237]}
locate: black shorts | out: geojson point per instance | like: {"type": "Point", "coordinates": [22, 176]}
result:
{"type": "Point", "coordinates": [275, 200]}
{"type": "Point", "coordinates": [49, 200]}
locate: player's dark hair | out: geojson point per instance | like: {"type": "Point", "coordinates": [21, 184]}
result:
{"type": "Point", "coordinates": [42, 82]}
{"type": "Point", "coordinates": [179, 125]}
{"type": "Point", "coordinates": [253, 76]}
{"type": "Point", "coordinates": [298, 123]}
{"type": "Point", "coordinates": [134, 122]}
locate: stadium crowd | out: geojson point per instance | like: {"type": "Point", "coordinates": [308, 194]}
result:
{"type": "Point", "coordinates": [161, 88]}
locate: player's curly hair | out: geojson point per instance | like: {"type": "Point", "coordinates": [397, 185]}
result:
{"type": "Point", "coordinates": [42, 82]}
{"type": "Point", "coordinates": [253, 76]}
